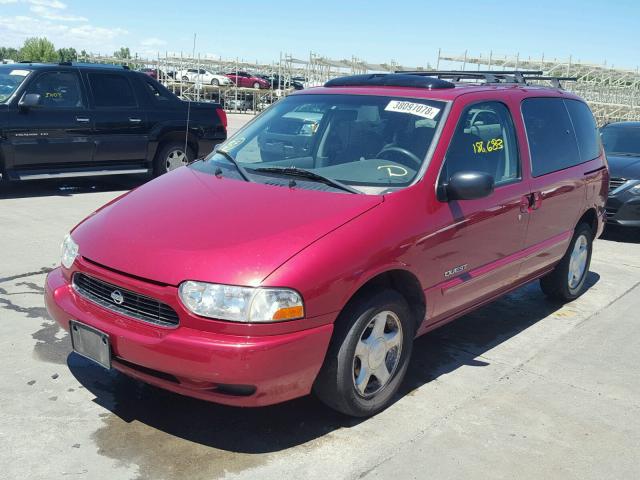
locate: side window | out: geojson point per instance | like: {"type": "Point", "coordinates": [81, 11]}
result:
{"type": "Point", "coordinates": [484, 141]}
{"type": "Point", "coordinates": [156, 91]}
{"type": "Point", "coordinates": [552, 139]}
{"type": "Point", "coordinates": [111, 90]}
{"type": "Point", "coordinates": [58, 90]}
{"type": "Point", "coordinates": [586, 129]}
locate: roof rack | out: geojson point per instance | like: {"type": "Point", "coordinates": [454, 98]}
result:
{"type": "Point", "coordinates": [490, 76]}
{"type": "Point", "coordinates": [389, 80]}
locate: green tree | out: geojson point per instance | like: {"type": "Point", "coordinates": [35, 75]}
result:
{"type": "Point", "coordinates": [124, 53]}
{"type": "Point", "coordinates": [38, 50]}
{"type": "Point", "coordinates": [9, 53]}
{"type": "Point", "coordinates": [67, 54]}
{"type": "Point", "coordinates": [84, 56]}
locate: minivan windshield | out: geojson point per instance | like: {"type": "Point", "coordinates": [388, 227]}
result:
{"type": "Point", "coordinates": [10, 79]}
{"type": "Point", "coordinates": [369, 143]}
{"type": "Point", "coordinates": [621, 140]}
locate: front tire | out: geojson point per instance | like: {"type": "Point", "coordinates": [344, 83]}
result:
{"type": "Point", "coordinates": [567, 281]}
{"type": "Point", "coordinates": [171, 156]}
{"type": "Point", "coordinates": [368, 355]}
{"type": "Point", "coordinates": [256, 85]}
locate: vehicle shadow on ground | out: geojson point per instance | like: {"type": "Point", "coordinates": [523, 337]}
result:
{"type": "Point", "coordinates": [275, 428]}
{"type": "Point", "coordinates": [70, 186]}
{"type": "Point", "coordinates": [615, 233]}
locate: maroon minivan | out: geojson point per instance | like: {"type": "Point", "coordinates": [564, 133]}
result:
{"type": "Point", "coordinates": [309, 250]}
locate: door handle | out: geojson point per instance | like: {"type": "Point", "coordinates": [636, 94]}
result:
{"type": "Point", "coordinates": [135, 120]}
{"type": "Point", "coordinates": [530, 202]}
{"type": "Point", "coordinates": [82, 119]}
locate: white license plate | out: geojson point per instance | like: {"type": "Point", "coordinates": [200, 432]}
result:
{"type": "Point", "coordinates": [90, 343]}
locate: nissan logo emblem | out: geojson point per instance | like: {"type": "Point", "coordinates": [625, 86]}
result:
{"type": "Point", "coordinates": [117, 297]}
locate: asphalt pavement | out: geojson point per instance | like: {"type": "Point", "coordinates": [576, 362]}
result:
{"type": "Point", "coordinates": [521, 389]}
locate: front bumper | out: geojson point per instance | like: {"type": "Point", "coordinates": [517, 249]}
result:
{"type": "Point", "coordinates": [223, 368]}
{"type": "Point", "coordinates": [624, 209]}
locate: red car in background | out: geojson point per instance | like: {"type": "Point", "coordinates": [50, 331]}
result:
{"type": "Point", "coordinates": [246, 80]}
{"type": "Point", "coordinates": [309, 250]}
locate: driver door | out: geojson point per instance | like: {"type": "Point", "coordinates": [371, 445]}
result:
{"type": "Point", "coordinates": [58, 131]}
{"type": "Point", "coordinates": [479, 244]}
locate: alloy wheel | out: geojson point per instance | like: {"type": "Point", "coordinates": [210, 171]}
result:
{"type": "Point", "coordinates": [578, 261]}
{"type": "Point", "coordinates": [175, 159]}
{"type": "Point", "coordinates": [377, 354]}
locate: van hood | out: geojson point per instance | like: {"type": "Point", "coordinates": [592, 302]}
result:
{"type": "Point", "coordinates": [190, 225]}
{"type": "Point", "coordinates": [624, 167]}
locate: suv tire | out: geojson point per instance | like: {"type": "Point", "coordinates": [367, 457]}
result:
{"type": "Point", "coordinates": [567, 280]}
{"type": "Point", "coordinates": [169, 156]}
{"type": "Point", "coordinates": [347, 381]}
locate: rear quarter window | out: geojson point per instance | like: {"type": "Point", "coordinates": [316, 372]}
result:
{"type": "Point", "coordinates": [551, 135]}
{"type": "Point", "coordinates": [586, 129]}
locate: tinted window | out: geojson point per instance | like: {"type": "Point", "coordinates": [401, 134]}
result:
{"type": "Point", "coordinates": [552, 139]}
{"type": "Point", "coordinates": [586, 129]}
{"type": "Point", "coordinates": [111, 90]}
{"type": "Point", "coordinates": [157, 91]}
{"type": "Point", "coordinates": [57, 89]}
{"type": "Point", "coordinates": [621, 139]}
{"type": "Point", "coordinates": [484, 141]}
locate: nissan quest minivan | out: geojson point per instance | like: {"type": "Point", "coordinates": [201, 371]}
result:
{"type": "Point", "coordinates": [310, 249]}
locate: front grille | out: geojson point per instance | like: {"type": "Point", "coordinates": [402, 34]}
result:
{"type": "Point", "coordinates": [616, 183]}
{"type": "Point", "coordinates": [132, 305]}
{"type": "Point", "coordinates": [611, 212]}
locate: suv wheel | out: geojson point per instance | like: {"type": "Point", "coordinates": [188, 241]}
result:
{"type": "Point", "coordinates": [567, 280]}
{"type": "Point", "coordinates": [368, 355]}
{"type": "Point", "coordinates": [171, 156]}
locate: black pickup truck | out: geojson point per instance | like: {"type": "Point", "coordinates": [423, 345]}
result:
{"type": "Point", "coordinates": [70, 120]}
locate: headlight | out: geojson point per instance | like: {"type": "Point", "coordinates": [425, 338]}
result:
{"type": "Point", "coordinates": [241, 304]}
{"type": "Point", "coordinates": [69, 251]}
{"type": "Point", "coordinates": [635, 190]}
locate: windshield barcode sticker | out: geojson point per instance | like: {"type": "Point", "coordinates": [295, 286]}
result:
{"type": "Point", "coordinates": [419, 109]}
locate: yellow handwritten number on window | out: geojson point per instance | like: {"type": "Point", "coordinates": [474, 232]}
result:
{"type": "Point", "coordinates": [488, 146]}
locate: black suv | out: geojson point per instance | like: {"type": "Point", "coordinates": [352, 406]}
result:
{"type": "Point", "coordinates": [69, 120]}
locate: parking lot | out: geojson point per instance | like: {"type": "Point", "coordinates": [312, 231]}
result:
{"type": "Point", "coordinates": [522, 388]}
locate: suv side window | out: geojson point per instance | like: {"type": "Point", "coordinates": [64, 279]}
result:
{"type": "Point", "coordinates": [58, 90]}
{"type": "Point", "coordinates": [484, 141]}
{"type": "Point", "coordinates": [586, 129]}
{"type": "Point", "coordinates": [158, 93]}
{"type": "Point", "coordinates": [111, 90]}
{"type": "Point", "coordinates": [552, 138]}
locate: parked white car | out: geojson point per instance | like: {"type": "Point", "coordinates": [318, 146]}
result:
{"type": "Point", "coordinates": [203, 76]}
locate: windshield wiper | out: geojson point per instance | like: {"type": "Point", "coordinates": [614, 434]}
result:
{"type": "Point", "coordinates": [308, 175]}
{"type": "Point", "coordinates": [241, 170]}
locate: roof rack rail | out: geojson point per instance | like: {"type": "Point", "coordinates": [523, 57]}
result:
{"type": "Point", "coordinates": [555, 81]}
{"type": "Point", "coordinates": [389, 80]}
{"type": "Point", "coordinates": [491, 76]}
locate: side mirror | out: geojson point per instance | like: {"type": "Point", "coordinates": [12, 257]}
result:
{"type": "Point", "coordinates": [467, 185]}
{"type": "Point", "coordinates": [30, 100]}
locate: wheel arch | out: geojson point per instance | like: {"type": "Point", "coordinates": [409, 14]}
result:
{"type": "Point", "coordinates": [403, 281]}
{"type": "Point", "coordinates": [177, 136]}
{"type": "Point", "coordinates": [590, 217]}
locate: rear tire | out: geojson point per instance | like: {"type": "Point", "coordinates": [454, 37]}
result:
{"type": "Point", "coordinates": [171, 156]}
{"type": "Point", "coordinates": [567, 280]}
{"type": "Point", "coordinates": [373, 338]}
{"type": "Point", "coordinates": [215, 82]}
